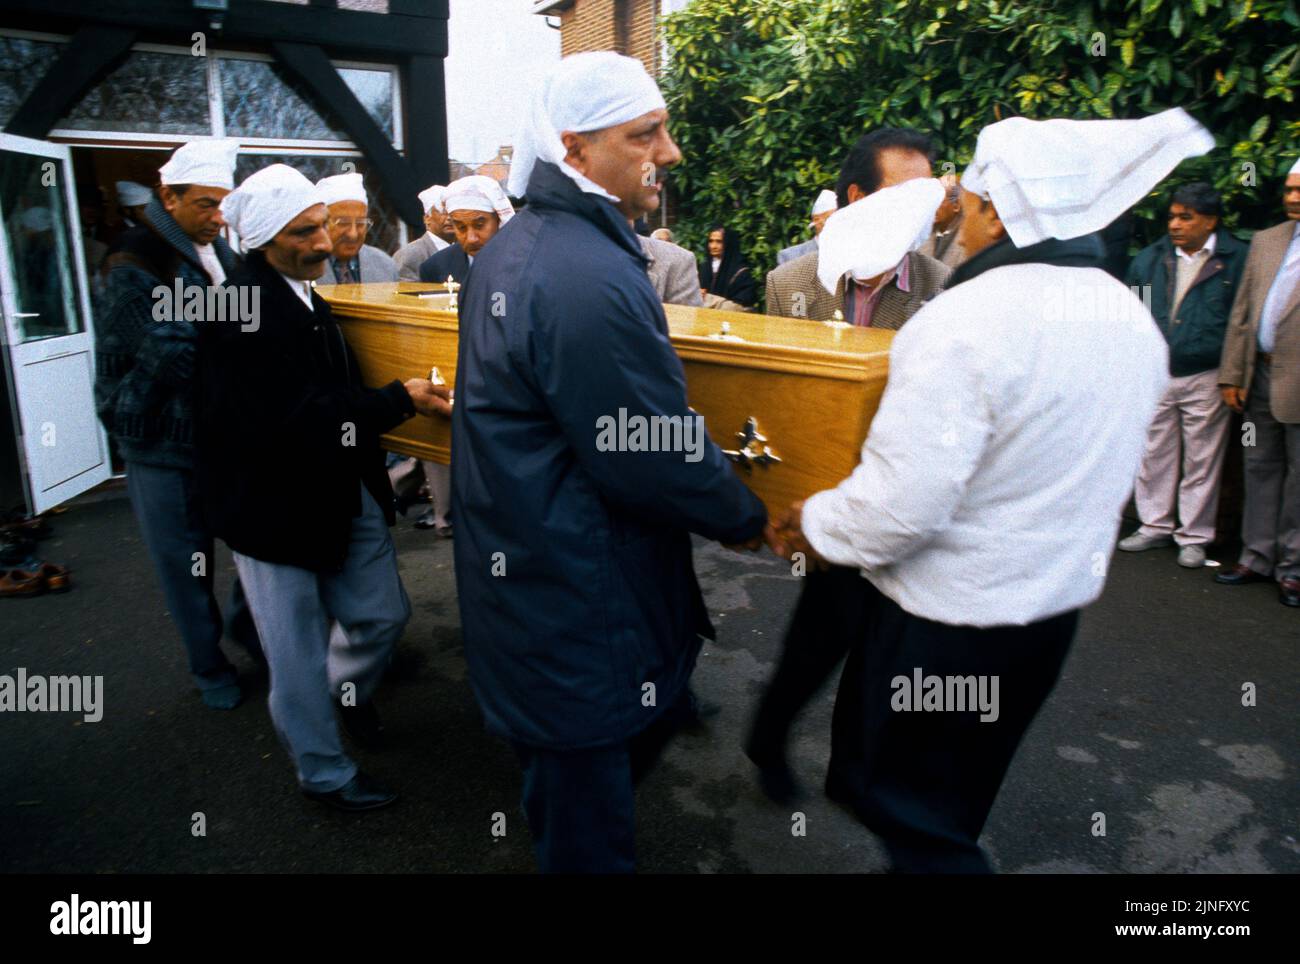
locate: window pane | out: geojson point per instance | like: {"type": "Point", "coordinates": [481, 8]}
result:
{"type": "Point", "coordinates": [260, 101]}
{"type": "Point", "coordinates": [155, 93]}
{"type": "Point", "coordinates": [40, 247]}
{"type": "Point", "coordinates": [384, 234]}
{"type": "Point", "coordinates": [22, 64]}
{"type": "Point", "coordinates": [374, 88]}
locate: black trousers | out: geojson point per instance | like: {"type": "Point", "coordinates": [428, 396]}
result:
{"type": "Point", "coordinates": [828, 618]}
{"type": "Point", "coordinates": [925, 781]}
{"type": "Point", "coordinates": [580, 804]}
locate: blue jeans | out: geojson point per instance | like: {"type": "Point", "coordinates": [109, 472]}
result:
{"type": "Point", "coordinates": [173, 532]}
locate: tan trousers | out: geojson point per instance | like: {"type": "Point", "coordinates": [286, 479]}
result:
{"type": "Point", "coordinates": [1189, 433]}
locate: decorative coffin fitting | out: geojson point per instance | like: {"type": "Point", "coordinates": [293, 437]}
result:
{"type": "Point", "coordinates": [790, 401]}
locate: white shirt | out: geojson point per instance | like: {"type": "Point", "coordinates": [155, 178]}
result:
{"type": "Point", "coordinates": [1203, 252]}
{"type": "Point", "coordinates": [717, 263]}
{"type": "Point", "coordinates": [211, 263]}
{"type": "Point", "coordinates": [1279, 293]}
{"type": "Point", "coordinates": [1006, 445]}
{"type": "Point", "coordinates": [301, 288]}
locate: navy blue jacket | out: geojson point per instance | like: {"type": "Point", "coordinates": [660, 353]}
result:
{"type": "Point", "coordinates": [1196, 336]}
{"type": "Point", "coordinates": [573, 563]}
{"type": "Point", "coordinates": [451, 260]}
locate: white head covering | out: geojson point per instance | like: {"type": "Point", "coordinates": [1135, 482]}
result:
{"type": "Point", "coordinates": [1065, 178]}
{"type": "Point", "coordinates": [266, 202]}
{"type": "Point", "coordinates": [872, 234]}
{"type": "Point", "coordinates": [826, 201]}
{"type": "Point", "coordinates": [343, 187]}
{"type": "Point", "coordinates": [210, 162]}
{"type": "Point", "coordinates": [132, 195]}
{"type": "Point", "coordinates": [431, 197]}
{"type": "Point", "coordinates": [478, 192]}
{"type": "Point", "coordinates": [582, 93]}
{"type": "Point", "coordinates": [1295, 168]}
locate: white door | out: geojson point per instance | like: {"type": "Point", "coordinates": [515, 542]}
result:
{"type": "Point", "coordinates": [48, 336]}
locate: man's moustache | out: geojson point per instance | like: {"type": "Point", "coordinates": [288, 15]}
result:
{"type": "Point", "coordinates": [315, 258]}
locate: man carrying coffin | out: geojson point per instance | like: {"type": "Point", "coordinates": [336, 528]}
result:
{"type": "Point", "coordinates": [283, 400]}
{"type": "Point", "coordinates": [477, 208]}
{"type": "Point", "coordinates": [984, 510]}
{"type": "Point", "coordinates": [145, 360]}
{"type": "Point", "coordinates": [579, 605]}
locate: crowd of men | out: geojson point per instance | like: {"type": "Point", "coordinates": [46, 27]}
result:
{"type": "Point", "coordinates": [948, 548]}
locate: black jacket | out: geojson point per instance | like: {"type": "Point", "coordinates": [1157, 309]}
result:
{"type": "Point", "coordinates": [451, 260]}
{"type": "Point", "coordinates": [1196, 336]}
{"type": "Point", "coordinates": [278, 407]}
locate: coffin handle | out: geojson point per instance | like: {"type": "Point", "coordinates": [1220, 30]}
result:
{"type": "Point", "coordinates": [753, 449]}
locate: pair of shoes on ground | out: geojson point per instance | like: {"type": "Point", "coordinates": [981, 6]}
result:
{"type": "Point", "coordinates": [429, 521]}
{"type": "Point", "coordinates": [41, 577]}
{"type": "Point", "coordinates": [1288, 589]}
{"type": "Point", "coordinates": [1189, 557]}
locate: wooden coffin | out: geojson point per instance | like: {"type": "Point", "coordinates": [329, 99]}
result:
{"type": "Point", "coordinates": [789, 400]}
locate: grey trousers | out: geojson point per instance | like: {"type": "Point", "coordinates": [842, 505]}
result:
{"type": "Point", "coordinates": [173, 533]}
{"type": "Point", "coordinates": [321, 632]}
{"type": "Point", "coordinates": [1270, 522]}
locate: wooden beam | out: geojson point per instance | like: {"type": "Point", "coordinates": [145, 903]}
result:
{"type": "Point", "coordinates": [256, 22]}
{"type": "Point", "coordinates": [93, 51]}
{"type": "Point", "coordinates": [330, 95]}
{"type": "Point", "coordinates": [425, 100]}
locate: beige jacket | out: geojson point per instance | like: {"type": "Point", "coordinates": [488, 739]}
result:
{"type": "Point", "coordinates": [1237, 365]}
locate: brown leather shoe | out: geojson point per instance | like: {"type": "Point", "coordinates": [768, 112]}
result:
{"type": "Point", "coordinates": [1239, 575]}
{"type": "Point", "coordinates": [18, 582]}
{"type": "Point", "coordinates": [57, 578]}
{"type": "Point", "coordinates": [1289, 592]}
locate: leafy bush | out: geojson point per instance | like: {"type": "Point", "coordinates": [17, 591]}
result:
{"type": "Point", "coordinates": [767, 95]}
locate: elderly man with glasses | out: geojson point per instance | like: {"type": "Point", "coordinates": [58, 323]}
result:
{"type": "Point", "coordinates": [351, 261]}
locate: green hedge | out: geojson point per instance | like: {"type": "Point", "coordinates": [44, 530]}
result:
{"type": "Point", "coordinates": [767, 95]}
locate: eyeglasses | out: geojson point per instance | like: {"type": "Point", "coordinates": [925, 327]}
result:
{"type": "Point", "coordinates": [363, 224]}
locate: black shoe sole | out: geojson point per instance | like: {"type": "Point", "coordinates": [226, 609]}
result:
{"type": "Point", "coordinates": [349, 808]}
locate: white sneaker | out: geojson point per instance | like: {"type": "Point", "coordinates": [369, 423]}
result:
{"type": "Point", "coordinates": [1191, 557]}
{"type": "Point", "coordinates": [1140, 542]}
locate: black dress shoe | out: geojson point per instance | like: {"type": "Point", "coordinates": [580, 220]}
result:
{"type": "Point", "coordinates": [1239, 575]}
{"type": "Point", "coordinates": [1289, 592]}
{"type": "Point", "coordinates": [775, 778]}
{"type": "Point", "coordinates": [361, 722]}
{"type": "Point", "coordinates": [359, 793]}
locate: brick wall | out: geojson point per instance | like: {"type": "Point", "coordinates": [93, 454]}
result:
{"type": "Point", "coordinates": [627, 26]}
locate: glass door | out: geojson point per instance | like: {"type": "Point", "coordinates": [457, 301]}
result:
{"type": "Point", "coordinates": [48, 335]}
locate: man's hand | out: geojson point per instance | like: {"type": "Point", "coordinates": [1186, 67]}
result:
{"type": "Point", "coordinates": [1233, 397]}
{"type": "Point", "coordinates": [785, 536]}
{"type": "Point", "coordinates": [428, 398]}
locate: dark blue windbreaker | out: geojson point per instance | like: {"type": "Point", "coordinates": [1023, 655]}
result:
{"type": "Point", "coordinates": [574, 565]}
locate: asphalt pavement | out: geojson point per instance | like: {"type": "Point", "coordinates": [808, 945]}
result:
{"type": "Point", "coordinates": [1147, 726]}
